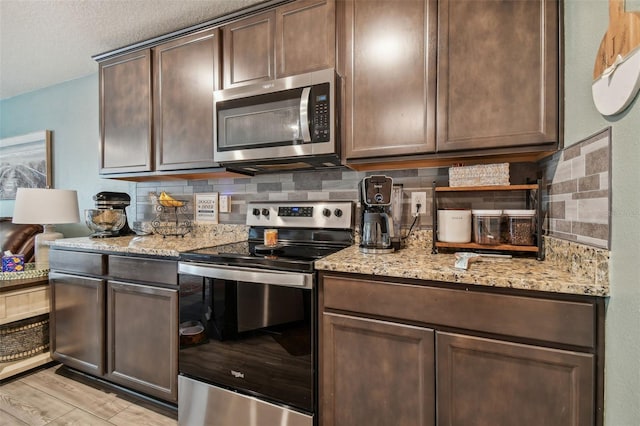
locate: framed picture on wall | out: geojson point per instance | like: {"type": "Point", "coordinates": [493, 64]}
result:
{"type": "Point", "coordinates": [25, 162]}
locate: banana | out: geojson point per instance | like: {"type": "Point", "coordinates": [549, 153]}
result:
{"type": "Point", "coordinates": [168, 201]}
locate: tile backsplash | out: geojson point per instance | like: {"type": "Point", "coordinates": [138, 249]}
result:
{"type": "Point", "coordinates": [578, 191]}
{"type": "Point", "coordinates": [577, 180]}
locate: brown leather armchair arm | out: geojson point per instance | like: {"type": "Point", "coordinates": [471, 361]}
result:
{"type": "Point", "coordinates": [19, 238]}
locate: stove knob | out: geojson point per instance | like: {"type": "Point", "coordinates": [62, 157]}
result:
{"type": "Point", "coordinates": [256, 212]}
{"type": "Point", "coordinates": [337, 212]}
{"type": "Point", "coordinates": [326, 212]}
{"type": "Point", "coordinates": [265, 212]}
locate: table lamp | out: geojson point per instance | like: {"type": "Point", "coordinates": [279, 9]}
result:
{"type": "Point", "coordinates": [46, 207]}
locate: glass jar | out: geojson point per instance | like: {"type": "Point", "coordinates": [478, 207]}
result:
{"type": "Point", "coordinates": [520, 227]}
{"type": "Point", "coordinates": [487, 227]}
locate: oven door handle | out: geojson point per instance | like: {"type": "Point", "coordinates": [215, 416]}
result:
{"type": "Point", "coordinates": [249, 275]}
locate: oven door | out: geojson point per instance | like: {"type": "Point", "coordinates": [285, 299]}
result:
{"type": "Point", "coordinates": [259, 334]}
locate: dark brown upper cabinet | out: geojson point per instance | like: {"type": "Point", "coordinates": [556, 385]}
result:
{"type": "Point", "coordinates": [292, 39]}
{"type": "Point", "coordinates": [186, 72]}
{"type": "Point", "coordinates": [497, 74]}
{"type": "Point", "coordinates": [248, 54]}
{"type": "Point", "coordinates": [125, 113]}
{"type": "Point", "coordinates": [156, 106]}
{"type": "Point", "coordinates": [495, 65]}
{"type": "Point", "coordinates": [305, 37]}
{"type": "Point", "coordinates": [387, 58]}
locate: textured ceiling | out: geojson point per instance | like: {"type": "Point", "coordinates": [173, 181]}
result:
{"type": "Point", "coordinates": [45, 42]}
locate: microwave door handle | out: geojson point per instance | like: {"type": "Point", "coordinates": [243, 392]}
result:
{"type": "Point", "coordinates": [304, 114]}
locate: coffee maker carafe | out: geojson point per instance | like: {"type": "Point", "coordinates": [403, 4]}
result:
{"type": "Point", "coordinates": [376, 225]}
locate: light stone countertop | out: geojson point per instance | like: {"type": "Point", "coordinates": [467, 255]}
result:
{"type": "Point", "coordinates": [153, 245]}
{"type": "Point", "coordinates": [157, 245]}
{"type": "Point", "coordinates": [419, 263]}
{"type": "Point", "coordinates": [415, 262]}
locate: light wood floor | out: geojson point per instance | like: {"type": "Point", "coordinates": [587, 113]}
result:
{"type": "Point", "coordinates": [55, 395]}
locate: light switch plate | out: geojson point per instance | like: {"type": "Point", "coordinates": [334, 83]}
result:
{"type": "Point", "coordinates": [224, 204]}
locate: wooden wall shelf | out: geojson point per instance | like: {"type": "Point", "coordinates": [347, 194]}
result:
{"type": "Point", "coordinates": [505, 248]}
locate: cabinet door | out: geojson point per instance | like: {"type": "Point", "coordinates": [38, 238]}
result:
{"type": "Point", "coordinates": [185, 76]}
{"type": "Point", "coordinates": [389, 77]}
{"type": "Point", "coordinates": [142, 338]}
{"type": "Point", "coordinates": [249, 54]}
{"type": "Point", "coordinates": [125, 113]}
{"type": "Point", "coordinates": [77, 322]}
{"type": "Point", "coordinates": [489, 382]}
{"type": "Point", "coordinates": [376, 373]}
{"type": "Point", "coordinates": [305, 37]}
{"type": "Point", "coordinates": [497, 73]}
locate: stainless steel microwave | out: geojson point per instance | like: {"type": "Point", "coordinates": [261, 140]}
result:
{"type": "Point", "coordinates": [288, 123]}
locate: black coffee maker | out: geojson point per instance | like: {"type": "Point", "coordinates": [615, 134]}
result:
{"type": "Point", "coordinates": [115, 200]}
{"type": "Point", "coordinates": [376, 225]}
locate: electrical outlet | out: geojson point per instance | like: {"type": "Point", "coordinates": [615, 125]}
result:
{"type": "Point", "coordinates": [418, 198]}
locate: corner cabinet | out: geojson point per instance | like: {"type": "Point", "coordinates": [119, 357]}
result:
{"type": "Point", "coordinates": [387, 57]}
{"type": "Point", "coordinates": [413, 352]}
{"type": "Point", "coordinates": [156, 106]}
{"type": "Point", "coordinates": [294, 38]}
{"type": "Point", "coordinates": [498, 74]}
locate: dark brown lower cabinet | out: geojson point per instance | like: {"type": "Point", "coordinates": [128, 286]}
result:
{"type": "Point", "coordinates": [411, 352]}
{"type": "Point", "coordinates": [76, 322]}
{"type": "Point", "coordinates": [116, 317]}
{"type": "Point", "coordinates": [377, 373]}
{"type": "Point", "coordinates": [491, 382]}
{"type": "Point", "coordinates": [142, 334]}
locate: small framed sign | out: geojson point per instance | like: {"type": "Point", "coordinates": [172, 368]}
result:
{"type": "Point", "coordinates": [206, 207]}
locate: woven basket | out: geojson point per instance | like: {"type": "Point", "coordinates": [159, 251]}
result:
{"type": "Point", "coordinates": [24, 338]}
{"type": "Point", "coordinates": [479, 175]}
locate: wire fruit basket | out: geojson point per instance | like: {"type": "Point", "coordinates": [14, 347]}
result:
{"type": "Point", "coordinates": [172, 218]}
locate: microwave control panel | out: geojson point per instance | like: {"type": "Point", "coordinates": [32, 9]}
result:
{"type": "Point", "coordinates": [320, 101]}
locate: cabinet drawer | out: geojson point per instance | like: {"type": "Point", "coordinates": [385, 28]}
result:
{"type": "Point", "coordinates": [78, 262]}
{"type": "Point", "coordinates": [144, 269]}
{"type": "Point", "coordinates": [560, 321]}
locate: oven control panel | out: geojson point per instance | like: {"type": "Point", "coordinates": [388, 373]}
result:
{"type": "Point", "coordinates": [307, 214]}
{"type": "Point", "coordinates": [295, 211]}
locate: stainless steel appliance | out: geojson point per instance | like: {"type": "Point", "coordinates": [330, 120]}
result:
{"type": "Point", "coordinates": [107, 200]}
{"type": "Point", "coordinates": [288, 123]}
{"type": "Point", "coordinates": [257, 304]}
{"type": "Point", "coordinates": [376, 225]}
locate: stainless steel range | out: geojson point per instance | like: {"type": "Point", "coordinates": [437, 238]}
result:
{"type": "Point", "coordinates": [248, 352]}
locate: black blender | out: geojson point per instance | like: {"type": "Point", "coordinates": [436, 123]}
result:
{"type": "Point", "coordinates": [376, 225]}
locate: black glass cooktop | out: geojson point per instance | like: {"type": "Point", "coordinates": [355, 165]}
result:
{"type": "Point", "coordinates": [284, 256]}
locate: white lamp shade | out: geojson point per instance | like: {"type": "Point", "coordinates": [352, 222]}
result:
{"type": "Point", "coordinates": [46, 206]}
